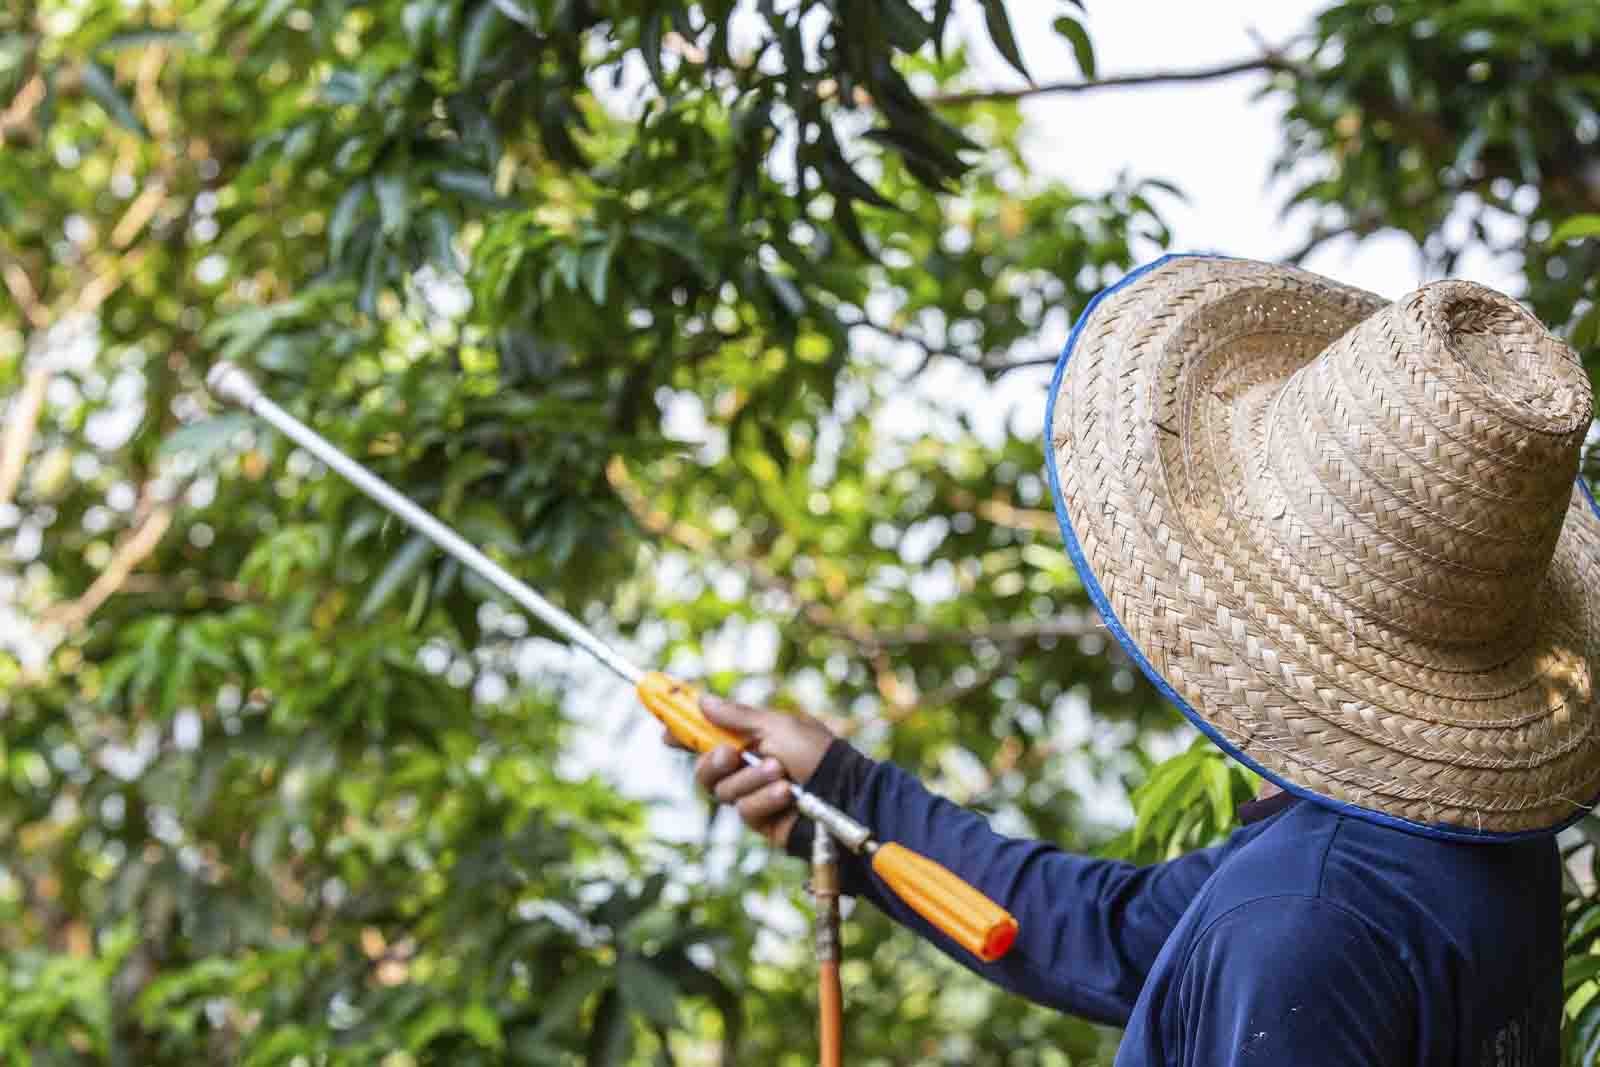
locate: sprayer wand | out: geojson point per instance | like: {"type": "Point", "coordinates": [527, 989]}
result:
{"type": "Point", "coordinates": [961, 912]}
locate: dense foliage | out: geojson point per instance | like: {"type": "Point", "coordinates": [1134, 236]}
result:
{"type": "Point", "coordinates": [687, 313]}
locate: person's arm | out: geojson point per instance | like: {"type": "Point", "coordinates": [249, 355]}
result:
{"type": "Point", "coordinates": [1290, 980]}
{"type": "Point", "coordinates": [1089, 929]}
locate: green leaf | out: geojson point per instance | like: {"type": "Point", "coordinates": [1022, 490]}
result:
{"type": "Point", "coordinates": [440, 234]}
{"type": "Point", "coordinates": [1471, 146]}
{"type": "Point", "coordinates": [1585, 1034]}
{"type": "Point", "coordinates": [651, 28]}
{"type": "Point", "coordinates": [421, 592]}
{"type": "Point", "coordinates": [1073, 31]}
{"type": "Point", "coordinates": [907, 29]}
{"type": "Point", "coordinates": [475, 38]}
{"type": "Point", "coordinates": [1154, 801]}
{"type": "Point", "coordinates": [401, 568]}
{"type": "Point", "coordinates": [788, 294]}
{"type": "Point", "coordinates": [1219, 787]}
{"type": "Point", "coordinates": [567, 261]}
{"type": "Point", "coordinates": [563, 1006]}
{"type": "Point", "coordinates": [611, 1037]}
{"type": "Point", "coordinates": [437, 1018]}
{"type": "Point", "coordinates": [97, 81]}
{"type": "Point", "coordinates": [472, 184]}
{"type": "Point", "coordinates": [941, 18]}
{"type": "Point", "coordinates": [679, 239]}
{"type": "Point", "coordinates": [372, 279]}
{"type": "Point", "coordinates": [206, 438]}
{"type": "Point", "coordinates": [480, 1021]}
{"type": "Point", "coordinates": [1576, 228]}
{"type": "Point", "coordinates": [841, 178]}
{"type": "Point", "coordinates": [415, 19]}
{"type": "Point", "coordinates": [595, 267]}
{"type": "Point", "coordinates": [999, 23]}
{"type": "Point", "coordinates": [1400, 78]}
{"type": "Point", "coordinates": [344, 87]}
{"type": "Point", "coordinates": [1583, 930]}
{"type": "Point", "coordinates": [394, 205]}
{"type": "Point", "coordinates": [648, 991]}
{"type": "Point", "coordinates": [1586, 331]}
{"type": "Point", "coordinates": [268, 17]}
{"type": "Point", "coordinates": [1578, 970]}
{"type": "Point", "coordinates": [344, 216]}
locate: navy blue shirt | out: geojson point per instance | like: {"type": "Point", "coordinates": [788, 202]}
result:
{"type": "Point", "coordinates": [1309, 937]}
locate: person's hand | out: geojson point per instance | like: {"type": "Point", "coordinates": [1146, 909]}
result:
{"type": "Point", "coordinates": [792, 746]}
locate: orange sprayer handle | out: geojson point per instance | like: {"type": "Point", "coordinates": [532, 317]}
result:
{"type": "Point", "coordinates": [677, 705]}
{"type": "Point", "coordinates": [971, 919]}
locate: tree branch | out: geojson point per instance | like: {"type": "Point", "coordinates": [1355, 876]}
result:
{"type": "Point", "coordinates": [1321, 235]}
{"type": "Point", "coordinates": [1270, 62]}
{"type": "Point", "coordinates": [26, 296]}
{"type": "Point", "coordinates": [20, 423]}
{"type": "Point", "coordinates": [1000, 366]}
{"type": "Point", "coordinates": [874, 642]}
{"type": "Point", "coordinates": [155, 584]}
{"type": "Point", "coordinates": [701, 543]}
{"type": "Point", "coordinates": [20, 111]}
{"type": "Point", "coordinates": [931, 350]}
{"type": "Point", "coordinates": [154, 519]}
{"type": "Point", "coordinates": [1001, 633]}
{"type": "Point", "coordinates": [1004, 513]}
{"type": "Point", "coordinates": [902, 701]}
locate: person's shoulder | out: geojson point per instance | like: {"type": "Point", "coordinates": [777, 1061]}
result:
{"type": "Point", "coordinates": [1283, 857]}
{"type": "Point", "coordinates": [1303, 979]}
{"type": "Point", "coordinates": [1283, 933]}
{"type": "Point", "coordinates": [1424, 888]}
{"type": "Point", "coordinates": [1413, 887]}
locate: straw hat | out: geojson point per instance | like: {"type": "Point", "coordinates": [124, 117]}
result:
{"type": "Point", "coordinates": [1344, 535]}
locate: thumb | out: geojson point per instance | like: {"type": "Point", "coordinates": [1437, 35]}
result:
{"type": "Point", "coordinates": [740, 718]}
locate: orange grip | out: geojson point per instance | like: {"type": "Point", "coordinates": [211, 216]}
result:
{"type": "Point", "coordinates": [677, 705]}
{"type": "Point", "coordinates": [977, 923]}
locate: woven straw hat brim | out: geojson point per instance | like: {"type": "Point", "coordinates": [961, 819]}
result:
{"type": "Point", "coordinates": [1319, 574]}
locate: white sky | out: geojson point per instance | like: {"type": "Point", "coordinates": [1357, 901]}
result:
{"type": "Point", "coordinates": [1210, 138]}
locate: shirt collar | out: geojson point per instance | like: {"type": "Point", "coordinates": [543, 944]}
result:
{"type": "Point", "coordinates": [1255, 810]}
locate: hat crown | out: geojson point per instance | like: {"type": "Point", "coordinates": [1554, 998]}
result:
{"type": "Point", "coordinates": [1423, 464]}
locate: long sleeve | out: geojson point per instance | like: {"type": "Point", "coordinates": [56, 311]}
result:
{"type": "Point", "coordinates": [1089, 929]}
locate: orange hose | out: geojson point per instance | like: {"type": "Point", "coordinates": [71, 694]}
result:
{"type": "Point", "coordinates": [830, 999]}
{"type": "Point", "coordinates": [830, 1013]}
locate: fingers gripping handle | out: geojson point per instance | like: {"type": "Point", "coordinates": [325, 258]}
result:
{"type": "Point", "coordinates": [971, 919]}
{"type": "Point", "coordinates": [677, 705]}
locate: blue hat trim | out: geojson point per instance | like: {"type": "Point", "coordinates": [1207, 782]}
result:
{"type": "Point", "coordinates": [1097, 597]}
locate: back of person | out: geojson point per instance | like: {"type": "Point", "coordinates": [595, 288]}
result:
{"type": "Point", "coordinates": [1439, 953]}
{"type": "Point", "coordinates": [1479, 924]}
{"type": "Point", "coordinates": [1347, 539]}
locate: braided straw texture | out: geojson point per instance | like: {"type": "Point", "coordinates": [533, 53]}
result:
{"type": "Point", "coordinates": [1347, 533]}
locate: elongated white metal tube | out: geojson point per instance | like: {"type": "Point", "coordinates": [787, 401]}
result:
{"type": "Point", "coordinates": [232, 384]}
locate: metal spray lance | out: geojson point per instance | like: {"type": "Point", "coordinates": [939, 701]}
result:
{"type": "Point", "coordinates": [960, 911]}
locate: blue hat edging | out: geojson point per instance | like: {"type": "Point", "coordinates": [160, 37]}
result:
{"type": "Point", "coordinates": [1097, 597]}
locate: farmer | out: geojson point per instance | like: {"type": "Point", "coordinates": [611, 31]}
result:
{"type": "Point", "coordinates": [1343, 536]}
